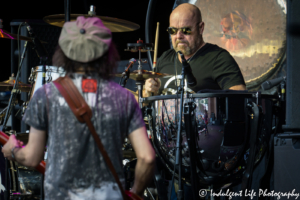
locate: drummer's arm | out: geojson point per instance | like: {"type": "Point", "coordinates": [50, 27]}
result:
{"type": "Point", "coordinates": [238, 87]}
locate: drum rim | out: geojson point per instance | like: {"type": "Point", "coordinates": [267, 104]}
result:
{"type": "Point", "coordinates": [57, 69]}
{"type": "Point", "coordinates": [208, 95]}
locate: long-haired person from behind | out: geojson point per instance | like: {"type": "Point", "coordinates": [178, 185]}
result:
{"type": "Point", "coordinates": [75, 167]}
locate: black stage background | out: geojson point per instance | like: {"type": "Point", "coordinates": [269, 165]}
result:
{"type": "Point", "coordinates": [134, 11]}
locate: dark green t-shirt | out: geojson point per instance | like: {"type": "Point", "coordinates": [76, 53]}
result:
{"type": "Point", "coordinates": [213, 67]}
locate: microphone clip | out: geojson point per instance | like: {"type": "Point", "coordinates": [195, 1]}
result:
{"type": "Point", "coordinates": [37, 45]}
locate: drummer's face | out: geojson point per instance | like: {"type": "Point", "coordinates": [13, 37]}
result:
{"type": "Point", "coordinates": [188, 44]}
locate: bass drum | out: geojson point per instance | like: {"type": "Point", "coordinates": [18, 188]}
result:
{"type": "Point", "coordinates": [221, 131]}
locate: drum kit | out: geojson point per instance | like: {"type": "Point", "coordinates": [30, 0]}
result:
{"type": "Point", "coordinates": [25, 183]}
{"type": "Point", "coordinates": [216, 160]}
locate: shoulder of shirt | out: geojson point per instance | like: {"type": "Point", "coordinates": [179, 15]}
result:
{"type": "Point", "coordinates": [215, 48]}
{"type": "Point", "coordinates": [40, 93]}
{"type": "Point", "coordinates": [218, 52]}
{"type": "Point", "coordinates": [165, 57]}
{"type": "Point", "coordinates": [45, 87]}
{"type": "Point", "coordinates": [117, 88]}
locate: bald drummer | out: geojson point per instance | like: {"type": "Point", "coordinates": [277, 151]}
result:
{"type": "Point", "coordinates": [213, 67]}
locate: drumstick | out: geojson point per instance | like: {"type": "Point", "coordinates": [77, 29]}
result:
{"type": "Point", "coordinates": [4, 138]}
{"type": "Point", "coordinates": [155, 46]}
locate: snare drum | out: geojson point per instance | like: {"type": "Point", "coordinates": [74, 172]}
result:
{"type": "Point", "coordinates": [222, 154]}
{"type": "Point", "coordinates": [52, 73]}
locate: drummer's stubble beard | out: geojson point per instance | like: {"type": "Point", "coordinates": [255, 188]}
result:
{"type": "Point", "coordinates": [190, 48]}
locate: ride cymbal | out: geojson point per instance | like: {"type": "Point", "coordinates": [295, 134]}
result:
{"type": "Point", "coordinates": [114, 24]}
{"type": "Point", "coordinates": [145, 75]}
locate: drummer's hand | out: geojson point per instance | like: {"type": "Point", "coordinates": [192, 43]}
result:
{"type": "Point", "coordinates": [151, 85]}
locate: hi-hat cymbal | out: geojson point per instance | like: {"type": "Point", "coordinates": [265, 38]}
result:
{"type": "Point", "coordinates": [8, 35]}
{"type": "Point", "coordinates": [114, 24]}
{"type": "Point", "coordinates": [9, 84]}
{"type": "Point", "coordinates": [145, 75]}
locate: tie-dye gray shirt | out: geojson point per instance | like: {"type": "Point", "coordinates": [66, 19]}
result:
{"type": "Point", "coordinates": [75, 167]}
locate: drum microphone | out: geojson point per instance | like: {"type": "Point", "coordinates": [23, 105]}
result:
{"type": "Point", "coordinates": [131, 62]}
{"type": "Point", "coordinates": [271, 83]}
{"type": "Point", "coordinates": [191, 80]}
{"type": "Point", "coordinates": [38, 46]}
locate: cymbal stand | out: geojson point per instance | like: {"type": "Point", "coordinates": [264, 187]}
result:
{"type": "Point", "coordinates": [140, 47]}
{"type": "Point", "coordinates": [14, 91]}
{"type": "Point", "coordinates": [178, 158]}
{"type": "Point", "coordinates": [67, 10]}
{"type": "Point", "coordinates": [140, 83]}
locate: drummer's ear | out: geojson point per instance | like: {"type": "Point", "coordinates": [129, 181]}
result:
{"type": "Point", "coordinates": [201, 27]}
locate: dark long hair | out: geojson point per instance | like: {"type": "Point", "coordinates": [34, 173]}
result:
{"type": "Point", "coordinates": [105, 66]}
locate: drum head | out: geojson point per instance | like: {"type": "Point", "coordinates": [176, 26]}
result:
{"type": "Point", "coordinates": [254, 32]}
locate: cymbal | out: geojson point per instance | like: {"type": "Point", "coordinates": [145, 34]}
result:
{"type": "Point", "coordinates": [114, 24]}
{"type": "Point", "coordinates": [8, 35]}
{"type": "Point", "coordinates": [9, 84]}
{"type": "Point", "coordinates": [145, 75]}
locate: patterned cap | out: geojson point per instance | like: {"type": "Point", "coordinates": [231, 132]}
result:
{"type": "Point", "coordinates": [85, 39]}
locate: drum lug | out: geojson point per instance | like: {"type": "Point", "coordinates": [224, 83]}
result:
{"type": "Point", "coordinates": [258, 98]}
{"type": "Point", "coordinates": [141, 100]}
{"type": "Point", "coordinates": [31, 77]}
{"type": "Point", "coordinates": [49, 75]}
{"type": "Point", "coordinates": [25, 104]}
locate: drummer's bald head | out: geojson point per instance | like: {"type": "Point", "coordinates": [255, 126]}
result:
{"type": "Point", "coordinates": [191, 9]}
